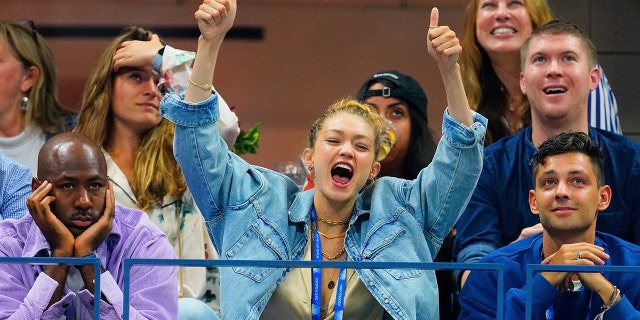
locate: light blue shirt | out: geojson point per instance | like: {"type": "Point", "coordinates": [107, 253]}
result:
{"type": "Point", "coordinates": [253, 213]}
{"type": "Point", "coordinates": [15, 188]}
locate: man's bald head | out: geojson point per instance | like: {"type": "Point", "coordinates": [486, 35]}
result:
{"type": "Point", "coordinates": [68, 150]}
{"type": "Point", "coordinates": [77, 172]}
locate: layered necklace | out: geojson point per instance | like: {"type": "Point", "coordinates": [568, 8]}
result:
{"type": "Point", "coordinates": [326, 236]}
{"type": "Point", "coordinates": [316, 274]}
{"type": "Point", "coordinates": [334, 222]}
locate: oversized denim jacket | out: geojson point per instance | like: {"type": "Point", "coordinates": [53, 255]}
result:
{"type": "Point", "coordinates": [394, 220]}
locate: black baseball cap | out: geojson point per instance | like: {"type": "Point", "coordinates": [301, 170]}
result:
{"type": "Point", "coordinates": [404, 87]}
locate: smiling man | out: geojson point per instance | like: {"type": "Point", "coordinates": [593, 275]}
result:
{"type": "Point", "coordinates": [558, 71]}
{"type": "Point", "coordinates": [73, 214]}
{"type": "Point", "coordinates": [568, 195]}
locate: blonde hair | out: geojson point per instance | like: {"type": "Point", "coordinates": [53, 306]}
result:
{"type": "Point", "coordinates": [560, 27]}
{"type": "Point", "coordinates": [351, 106]}
{"type": "Point", "coordinates": [45, 110]}
{"type": "Point", "coordinates": [479, 78]}
{"type": "Point", "coordinates": [156, 172]}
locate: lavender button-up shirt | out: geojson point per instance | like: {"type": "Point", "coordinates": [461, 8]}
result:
{"type": "Point", "coordinates": [25, 290]}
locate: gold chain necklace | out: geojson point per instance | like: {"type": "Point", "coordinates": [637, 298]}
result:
{"type": "Point", "coordinates": [336, 256]}
{"type": "Point", "coordinates": [331, 237]}
{"type": "Point", "coordinates": [326, 235]}
{"type": "Point", "coordinates": [335, 223]}
{"type": "Point", "coordinates": [328, 256]}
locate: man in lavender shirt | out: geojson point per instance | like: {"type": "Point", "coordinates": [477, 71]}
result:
{"type": "Point", "coordinates": [73, 214]}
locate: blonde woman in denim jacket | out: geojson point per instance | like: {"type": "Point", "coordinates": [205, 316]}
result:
{"type": "Point", "coordinates": [256, 213]}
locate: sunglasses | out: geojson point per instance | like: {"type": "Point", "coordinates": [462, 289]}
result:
{"type": "Point", "coordinates": [29, 26]}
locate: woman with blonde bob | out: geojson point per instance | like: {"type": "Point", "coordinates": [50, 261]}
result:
{"type": "Point", "coordinates": [120, 112]}
{"type": "Point", "coordinates": [31, 112]}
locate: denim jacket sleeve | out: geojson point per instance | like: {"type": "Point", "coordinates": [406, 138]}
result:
{"type": "Point", "coordinates": [205, 158]}
{"type": "Point", "coordinates": [451, 177]}
{"type": "Point", "coordinates": [479, 225]}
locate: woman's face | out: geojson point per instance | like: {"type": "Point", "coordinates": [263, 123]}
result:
{"type": "Point", "coordinates": [343, 157]}
{"type": "Point", "coordinates": [136, 99]}
{"type": "Point", "coordinates": [15, 79]}
{"type": "Point", "coordinates": [397, 112]}
{"type": "Point", "coordinates": [502, 26]}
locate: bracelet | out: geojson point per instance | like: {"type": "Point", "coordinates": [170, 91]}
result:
{"type": "Point", "coordinates": [157, 61]}
{"type": "Point", "coordinates": [615, 295]}
{"type": "Point", "coordinates": [92, 255]}
{"type": "Point", "coordinates": [205, 87]}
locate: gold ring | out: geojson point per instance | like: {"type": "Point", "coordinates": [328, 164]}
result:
{"type": "Point", "coordinates": [432, 27]}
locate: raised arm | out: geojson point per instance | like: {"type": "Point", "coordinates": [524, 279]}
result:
{"type": "Point", "coordinates": [206, 164]}
{"type": "Point", "coordinates": [174, 66]}
{"type": "Point", "coordinates": [444, 46]}
{"type": "Point", "coordinates": [215, 18]}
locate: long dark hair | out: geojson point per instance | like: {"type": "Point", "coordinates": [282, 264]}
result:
{"type": "Point", "coordinates": [422, 146]}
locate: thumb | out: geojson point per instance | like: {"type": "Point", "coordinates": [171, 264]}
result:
{"type": "Point", "coordinates": [547, 259]}
{"type": "Point", "coordinates": [435, 16]}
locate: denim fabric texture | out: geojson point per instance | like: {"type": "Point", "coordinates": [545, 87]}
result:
{"type": "Point", "coordinates": [253, 213]}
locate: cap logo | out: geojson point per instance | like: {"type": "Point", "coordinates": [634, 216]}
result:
{"type": "Point", "coordinates": [377, 75]}
{"type": "Point", "coordinates": [386, 92]}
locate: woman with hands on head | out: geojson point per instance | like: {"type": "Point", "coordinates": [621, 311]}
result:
{"type": "Point", "coordinates": [120, 113]}
{"type": "Point", "coordinates": [267, 217]}
{"type": "Point", "coordinates": [174, 68]}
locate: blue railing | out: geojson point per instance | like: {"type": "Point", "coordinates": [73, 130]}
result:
{"type": "Point", "coordinates": [69, 261]}
{"type": "Point", "coordinates": [498, 268]}
{"type": "Point", "coordinates": [531, 268]}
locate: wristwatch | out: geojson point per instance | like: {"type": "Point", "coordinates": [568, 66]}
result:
{"type": "Point", "coordinates": [157, 61]}
{"type": "Point", "coordinates": [92, 255]}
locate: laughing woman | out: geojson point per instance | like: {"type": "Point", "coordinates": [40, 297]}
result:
{"type": "Point", "coordinates": [256, 213]}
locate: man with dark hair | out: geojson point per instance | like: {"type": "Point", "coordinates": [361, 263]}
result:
{"type": "Point", "coordinates": [73, 214]}
{"type": "Point", "coordinates": [558, 72]}
{"type": "Point", "coordinates": [568, 193]}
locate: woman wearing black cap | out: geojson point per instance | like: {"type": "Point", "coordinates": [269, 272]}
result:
{"type": "Point", "coordinates": [400, 99]}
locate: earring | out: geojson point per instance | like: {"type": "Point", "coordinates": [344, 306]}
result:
{"type": "Point", "coordinates": [371, 180]}
{"type": "Point", "coordinates": [309, 167]}
{"type": "Point", "coordinates": [24, 104]}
